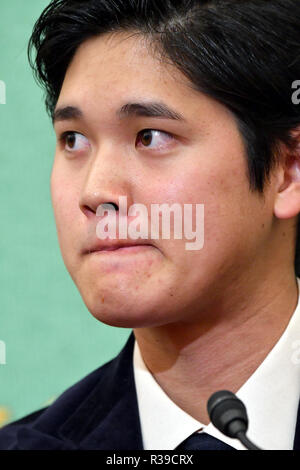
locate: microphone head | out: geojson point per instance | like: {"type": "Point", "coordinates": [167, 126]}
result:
{"type": "Point", "coordinates": [227, 413]}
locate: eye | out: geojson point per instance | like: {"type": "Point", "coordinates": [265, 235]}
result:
{"type": "Point", "coordinates": [73, 141]}
{"type": "Point", "coordinates": [154, 139]}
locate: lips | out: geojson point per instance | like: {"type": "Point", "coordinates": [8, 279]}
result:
{"type": "Point", "coordinates": [115, 247]}
{"type": "Point", "coordinates": [121, 248]}
{"type": "Point", "coordinates": [111, 248]}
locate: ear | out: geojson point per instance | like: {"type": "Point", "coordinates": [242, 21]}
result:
{"type": "Point", "coordinates": [287, 197]}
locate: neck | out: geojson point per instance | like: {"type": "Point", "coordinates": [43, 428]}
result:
{"type": "Point", "coordinates": [223, 347]}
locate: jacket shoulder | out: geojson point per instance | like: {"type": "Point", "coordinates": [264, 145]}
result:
{"type": "Point", "coordinates": [90, 403]}
{"type": "Point", "coordinates": [28, 418]}
{"type": "Point", "coordinates": [58, 411]}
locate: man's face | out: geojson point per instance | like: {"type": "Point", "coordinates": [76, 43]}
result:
{"type": "Point", "coordinates": [197, 160]}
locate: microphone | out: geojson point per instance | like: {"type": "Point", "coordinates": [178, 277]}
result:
{"type": "Point", "coordinates": [229, 415]}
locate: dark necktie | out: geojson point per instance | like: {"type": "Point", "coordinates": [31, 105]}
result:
{"type": "Point", "coordinates": [203, 441]}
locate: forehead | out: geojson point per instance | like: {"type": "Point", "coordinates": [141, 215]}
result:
{"type": "Point", "coordinates": [113, 69]}
{"type": "Point", "coordinates": [118, 58]}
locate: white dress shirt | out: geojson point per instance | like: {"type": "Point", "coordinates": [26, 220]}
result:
{"type": "Point", "coordinates": [271, 396]}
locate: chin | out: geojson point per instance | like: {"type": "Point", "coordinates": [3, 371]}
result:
{"type": "Point", "coordinates": [125, 315]}
{"type": "Point", "coordinates": [127, 305]}
{"type": "Point", "coordinates": [132, 320]}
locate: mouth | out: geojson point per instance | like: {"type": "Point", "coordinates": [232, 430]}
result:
{"type": "Point", "coordinates": [125, 260]}
{"type": "Point", "coordinates": [121, 250]}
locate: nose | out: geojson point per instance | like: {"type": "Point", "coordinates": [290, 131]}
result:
{"type": "Point", "coordinates": [105, 181]}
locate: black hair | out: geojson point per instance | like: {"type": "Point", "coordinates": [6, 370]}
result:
{"type": "Point", "coordinates": [243, 53]}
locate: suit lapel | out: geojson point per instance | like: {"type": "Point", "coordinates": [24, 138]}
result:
{"type": "Point", "coordinates": [108, 418]}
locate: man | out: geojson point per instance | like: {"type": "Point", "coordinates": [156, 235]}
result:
{"type": "Point", "coordinates": [187, 103]}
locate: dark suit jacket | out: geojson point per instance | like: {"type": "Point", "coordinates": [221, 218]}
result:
{"type": "Point", "coordinates": [99, 412]}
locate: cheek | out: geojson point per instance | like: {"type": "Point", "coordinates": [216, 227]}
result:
{"type": "Point", "coordinates": [203, 187]}
{"type": "Point", "coordinates": [230, 210]}
{"type": "Point", "coordinates": [65, 204]}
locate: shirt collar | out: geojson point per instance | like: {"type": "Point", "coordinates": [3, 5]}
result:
{"type": "Point", "coordinates": [271, 396]}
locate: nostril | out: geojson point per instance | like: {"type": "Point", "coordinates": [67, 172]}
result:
{"type": "Point", "coordinates": [110, 204]}
{"type": "Point", "coordinates": [89, 211]}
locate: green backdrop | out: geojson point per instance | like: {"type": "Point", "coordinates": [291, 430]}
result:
{"type": "Point", "coordinates": [50, 338]}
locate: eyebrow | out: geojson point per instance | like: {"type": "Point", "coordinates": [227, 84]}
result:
{"type": "Point", "coordinates": [150, 109]}
{"type": "Point", "coordinates": [66, 113]}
